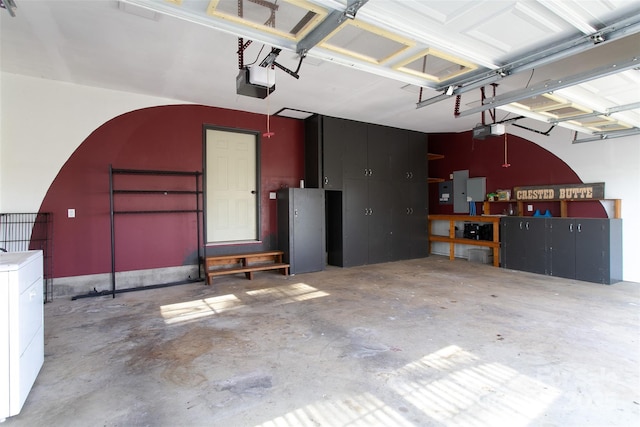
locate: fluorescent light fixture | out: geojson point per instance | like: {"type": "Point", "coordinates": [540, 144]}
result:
{"type": "Point", "coordinates": [292, 113]}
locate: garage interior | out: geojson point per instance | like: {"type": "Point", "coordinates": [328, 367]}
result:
{"type": "Point", "coordinates": [116, 118]}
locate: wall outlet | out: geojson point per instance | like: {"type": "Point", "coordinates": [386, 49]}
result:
{"type": "Point", "coordinates": [530, 208]}
{"type": "Point", "coordinates": [71, 213]}
{"type": "Point", "coordinates": [272, 195]}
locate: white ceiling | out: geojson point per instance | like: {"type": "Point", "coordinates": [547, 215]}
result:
{"type": "Point", "coordinates": [192, 56]}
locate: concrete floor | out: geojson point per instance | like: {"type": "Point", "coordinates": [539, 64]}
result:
{"type": "Point", "coordinates": [416, 343]}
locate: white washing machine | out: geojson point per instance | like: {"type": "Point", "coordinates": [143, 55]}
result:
{"type": "Point", "coordinates": [21, 327]}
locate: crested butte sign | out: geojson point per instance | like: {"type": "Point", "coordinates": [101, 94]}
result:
{"type": "Point", "coordinates": [593, 191]}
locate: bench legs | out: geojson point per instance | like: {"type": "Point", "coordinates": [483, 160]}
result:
{"type": "Point", "coordinates": [247, 274]}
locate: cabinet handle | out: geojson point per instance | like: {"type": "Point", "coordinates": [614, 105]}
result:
{"type": "Point", "coordinates": [406, 175]}
{"type": "Point", "coordinates": [571, 228]}
{"type": "Point", "coordinates": [520, 225]}
{"type": "Point", "coordinates": [326, 180]}
{"type": "Point", "coordinates": [527, 225]}
{"type": "Point", "coordinates": [579, 227]}
{"type": "Point", "coordinates": [370, 172]}
{"type": "Point", "coordinates": [295, 212]}
{"type": "Point", "coordinates": [411, 211]}
{"type": "Point", "coordinates": [411, 175]}
{"type": "Point", "coordinates": [370, 211]}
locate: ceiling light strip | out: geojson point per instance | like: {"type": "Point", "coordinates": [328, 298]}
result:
{"type": "Point", "coordinates": [518, 95]}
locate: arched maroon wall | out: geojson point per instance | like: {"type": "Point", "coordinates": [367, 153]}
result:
{"type": "Point", "coordinates": [158, 138]}
{"type": "Point", "coordinates": [530, 165]}
{"type": "Point", "coordinates": [170, 138]}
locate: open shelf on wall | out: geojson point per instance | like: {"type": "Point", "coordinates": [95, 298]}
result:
{"type": "Point", "coordinates": [434, 156]}
{"type": "Point", "coordinates": [617, 205]}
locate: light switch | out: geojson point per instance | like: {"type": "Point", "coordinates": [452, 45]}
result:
{"type": "Point", "coordinates": [530, 208]}
{"type": "Point", "coordinates": [272, 195]}
{"type": "Point", "coordinates": [71, 213]}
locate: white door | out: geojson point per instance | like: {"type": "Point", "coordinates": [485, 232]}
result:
{"type": "Point", "coordinates": [231, 186]}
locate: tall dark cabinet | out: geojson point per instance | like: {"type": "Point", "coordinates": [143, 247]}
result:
{"type": "Point", "coordinates": [301, 228]}
{"type": "Point", "coordinates": [376, 182]}
{"type": "Point", "coordinates": [410, 203]}
{"type": "Point", "coordinates": [588, 249]}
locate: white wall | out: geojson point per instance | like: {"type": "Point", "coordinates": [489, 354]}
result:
{"type": "Point", "coordinates": [42, 122]}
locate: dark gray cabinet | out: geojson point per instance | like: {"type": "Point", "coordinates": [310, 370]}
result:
{"type": "Point", "coordinates": [328, 142]}
{"type": "Point", "coordinates": [410, 237]}
{"type": "Point", "coordinates": [586, 249]}
{"type": "Point", "coordinates": [368, 196]}
{"type": "Point", "coordinates": [377, 203]}
{"type": "Point", "coordinates": [301, 228]}
{"type": "Point", "coordinates": [367, 222]}
{"type": "Point", "coordinates": [410, 204]}
{"type": "Point", "coordinates": [524, 244]}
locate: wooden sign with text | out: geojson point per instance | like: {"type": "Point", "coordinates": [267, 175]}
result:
{"type": "Point", "coordinates": [593, 191]}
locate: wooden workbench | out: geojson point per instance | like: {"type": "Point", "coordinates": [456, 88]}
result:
{"type": "Point", "coordinates": [453, 240]}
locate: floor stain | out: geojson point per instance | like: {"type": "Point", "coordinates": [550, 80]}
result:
{"type": "Point", "coordinates": [176, 355]}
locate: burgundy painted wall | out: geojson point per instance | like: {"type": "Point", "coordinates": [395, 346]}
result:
{"type": "Point", "coordinates": [530, 165]}
{"type": "Point", "coordinates": [170, 138]}
{"type": "Point", "coordinates": [158, 138]}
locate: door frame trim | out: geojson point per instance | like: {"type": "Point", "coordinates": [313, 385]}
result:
{"type": "Point", "coordinates": [257, 135]}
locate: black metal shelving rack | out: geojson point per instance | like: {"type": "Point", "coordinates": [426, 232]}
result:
{"type": "Point", "coordinates": [197, 192]}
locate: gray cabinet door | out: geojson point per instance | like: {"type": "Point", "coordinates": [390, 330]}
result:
{"type": "Point", "coordinates": [418, 164]}
{"type": "Point", "coordinates": [399, 155]}
{"type": "Point", "coordinates": [379, 220]}
{"type": "Point", "coordinates": [524, 244]}
{"type": "Point", "coordinates": [592, 250]}
{"type": "Point", "coordinates": [410, 237]}
{"type": "Point", "coordinates": [335, 136]}
{"type": "Point", "coordinates": [410, 199]}
{"type": "Point", "coordinates": [380, 140]}
{"type": "Point", "coordinates": [355, 223]}
{"type": "Point", "coordinates": [354, 139]}
{"type": "Point", "coordinates": [562, 247]}
{"type": "Point", "coordinates": [308, 230]}
{"type": "Point", "coordinates": [301, 228]}
{"type": "Point", "coordinates": [513, 243]}
{"type": "Point", "coordinates": [367, 222]}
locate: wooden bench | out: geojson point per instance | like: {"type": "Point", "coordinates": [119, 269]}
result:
{"type": "Point", "coordinates": [248, 263]}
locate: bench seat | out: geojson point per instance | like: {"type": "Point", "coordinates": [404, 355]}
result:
{"type": "Point", "coordinates": [247, 263]}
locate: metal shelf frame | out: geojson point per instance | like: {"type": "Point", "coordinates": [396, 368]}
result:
{"type": "Point", "coordinates": [113, 192]}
